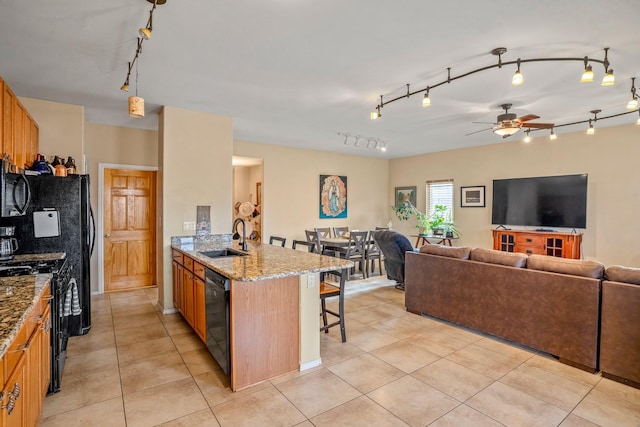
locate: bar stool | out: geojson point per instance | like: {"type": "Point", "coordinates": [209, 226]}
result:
{"type": "Point", "coordinates": [328, 290]}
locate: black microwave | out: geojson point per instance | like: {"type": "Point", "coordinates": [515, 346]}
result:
{"type": "Point", "coordinates": [15, 194]}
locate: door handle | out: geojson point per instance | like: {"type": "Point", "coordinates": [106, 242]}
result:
{"type": "Point", "coordinates": [107, 235]}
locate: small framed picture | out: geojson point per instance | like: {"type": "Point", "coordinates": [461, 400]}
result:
{"type": "Point", "coordinates": [405, 194]}
{"type": "Point", "coordinates": [472, 197]}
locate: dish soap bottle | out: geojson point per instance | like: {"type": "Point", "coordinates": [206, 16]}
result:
{"type": "Point", "coordinates": [71, 166]}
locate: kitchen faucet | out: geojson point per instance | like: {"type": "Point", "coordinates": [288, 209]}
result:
{"type": "Point", "coordinates": [244, 232]}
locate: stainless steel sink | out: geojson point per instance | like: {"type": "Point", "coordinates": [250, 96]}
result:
{"type": "Point", "coordinates": [222, 253]}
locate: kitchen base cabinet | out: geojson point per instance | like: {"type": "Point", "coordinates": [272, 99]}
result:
{"type": "Point", "coordinates": [26, 366]}
{"type": "Point", "coordinates": [188, 291]}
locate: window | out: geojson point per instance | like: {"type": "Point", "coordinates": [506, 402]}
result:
{"type": "Point", "coordinates": [440, 193]}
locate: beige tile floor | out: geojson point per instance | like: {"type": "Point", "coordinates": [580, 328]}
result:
{"type": "Point", "coordinates": [140, 368]}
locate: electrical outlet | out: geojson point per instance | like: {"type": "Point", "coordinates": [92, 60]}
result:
{"type": "Point", "coordinates": [310, 281]}
{"type": "Point", "coordinates": [189, 226]}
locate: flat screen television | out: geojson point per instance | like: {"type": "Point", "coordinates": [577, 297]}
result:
{"type": "Point", "coordinates": [547, 201]}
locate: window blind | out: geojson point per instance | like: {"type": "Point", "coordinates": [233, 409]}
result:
{"type": "Point", "coordinates": [440, 193]}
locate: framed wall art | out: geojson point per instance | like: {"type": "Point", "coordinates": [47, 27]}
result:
{"type": "Point", "coordinates": [472, 197]}
{"type": "Point", "coordinates": [405, 194]}
{"type": "Point", "coordinates": [333, 196]}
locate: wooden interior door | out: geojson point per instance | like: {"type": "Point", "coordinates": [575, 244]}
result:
{"type": "Point", "coordinates": [129, 229]}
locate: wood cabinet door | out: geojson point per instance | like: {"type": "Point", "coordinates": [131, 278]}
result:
{"type": "Point", "coordinates": [129, 226]}
{"type": "Point", "coordinates": [17, 416]}
{"type": "Point", "coordinates": [200, 321]}
{"type": "Point", "coordinates": [181, 292]}
{"type": "Point", "coordinates": [32, 375]}
{"type": "Point", "coordinates": [32, 140]}
{"type": "Point", "coordinates": [2, 83]}
{"type": "Point", "coordinates": [188, 313]}
{"type": "Point", "coordinates": [45, 354]}
{"type": "Point", "coordinates": [19, 116]}
{"type": "Point", "coordinates": [8, 102]}
{"type": "Point", "coordinates": [175, 287]}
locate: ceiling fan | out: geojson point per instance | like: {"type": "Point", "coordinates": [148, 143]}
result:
{"type": "Point", "coordinates": [508, 123]}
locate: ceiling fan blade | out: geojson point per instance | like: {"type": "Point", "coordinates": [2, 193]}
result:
{"type": "Point", "coordinates": [527, 117]}
{"type": "Point", "coordinates": [537, 125]}
{"type": "Point", "coordinates": [481, 130]}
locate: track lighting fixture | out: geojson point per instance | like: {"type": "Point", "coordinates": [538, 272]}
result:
{"type": "Point", "coordinates": [517, 78]}
{"type": "Point", "coordinates": [638, 122]}
{"type": "Point", "coordinates": [590, 130]}
{"type": "Point", "coordinates": [426, 101]}
{"type": "Point", "coordinates": [136, 104]}
{"type": "Point", "coordinates": [553, 135]}
{"type": "Point", "coordinates": [371, 142]}
{"type": "Point", "coordinates": [527, 138]}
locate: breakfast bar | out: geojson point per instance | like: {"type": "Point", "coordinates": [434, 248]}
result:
{"type": "Point", "coordinates": [272, 297]}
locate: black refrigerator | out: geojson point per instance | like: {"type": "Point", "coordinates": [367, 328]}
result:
{"type": "Point", "coordinates": [69, 196]}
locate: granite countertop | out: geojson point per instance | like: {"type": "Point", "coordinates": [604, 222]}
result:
{"type": "Point", "coordinates": [16, 307]}
{"type": "Point", "coordinates": [37, 257]}
{"type": "Point", "coordinates": [262, 262]}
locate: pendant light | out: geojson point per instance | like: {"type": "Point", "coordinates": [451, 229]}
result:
{"type": "Point", "coordinates": [590, 130]}
{"type": "Point", "coordinates": [553, 135]}
{"type": "Point", "coordinates": [527, 138]}
{"type": "Point", "coordinates": [426, 102]}
{"type": "Point", "coordinates": [633, 103]}
{"type": "Point", "coordinates": [136, 103]}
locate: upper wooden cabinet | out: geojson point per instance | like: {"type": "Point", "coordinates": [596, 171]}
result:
{"type": "Point", "coordinates": [19, 132]}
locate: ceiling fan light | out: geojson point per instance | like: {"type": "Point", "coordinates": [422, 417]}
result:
{"type": "Point", "coordinates": [517, 78]}
{"type": "Point", "coordinates": [587, 75]}
{"type": "Point", "coordinates": [145, 33]}
{"type": "Point", "coordinates": [609, 79]}
{"type": "Point", "coordinates": [506, 130]}
{"type": "Point", "coordinates": [632, 104]}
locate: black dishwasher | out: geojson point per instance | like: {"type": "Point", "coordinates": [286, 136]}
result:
{"type": "Point", "coordinates": [217, 316]}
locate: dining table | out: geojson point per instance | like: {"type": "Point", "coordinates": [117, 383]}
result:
{"type": "Point", "coordinates": [440, 239]}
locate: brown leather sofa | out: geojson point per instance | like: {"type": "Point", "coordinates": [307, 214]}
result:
{"type": "Point", "coordinates": [620, 325]}
{"type": "Point", "coordinates": [546, 303]}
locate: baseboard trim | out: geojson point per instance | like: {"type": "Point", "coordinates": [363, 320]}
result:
{"type": "Point", "coordinates": [311, 364]}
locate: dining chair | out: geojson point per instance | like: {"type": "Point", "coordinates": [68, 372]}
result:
{"type": "Point", "coordinates": [381, 228]}
{"type": "Point", "coordinates": [372, 252]}
{"type": "Point", "coordinates": [325, 232]}
{"type": "Point", "coordinates": [340, 231]}
{"type": "Point", "coordinates": [281, 240]}
{"type": "Point", "coordinates": [356, 251]}
{"type": "Point", "coordinates": [314, 237]}
{"type": "Point", "coordinates": [332, 289]}
{"type": "Point", "coordinates": [309, 245]}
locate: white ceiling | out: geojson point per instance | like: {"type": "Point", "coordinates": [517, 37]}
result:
{"type": "Point", "coordinates": [298, 72]}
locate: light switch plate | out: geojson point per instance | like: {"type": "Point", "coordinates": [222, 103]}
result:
{"type": "Point", "coordinates": [189, 226]}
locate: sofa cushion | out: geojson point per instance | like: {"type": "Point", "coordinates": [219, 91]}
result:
{"type": "Point", "coordinates": [576, 267]}
{"type": "Point", "coordinates": [618, 273]}
{"type": "Point", "coordinates": [491, 256]}
{"type": "Point", "coordinates": [460, 252]}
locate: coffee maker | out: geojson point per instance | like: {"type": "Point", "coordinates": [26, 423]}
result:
{"type": "Point", "coordinates": [8, 243]}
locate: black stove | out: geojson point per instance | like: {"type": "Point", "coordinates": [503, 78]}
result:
{"type": "Point", "coordinates": [23, 267]}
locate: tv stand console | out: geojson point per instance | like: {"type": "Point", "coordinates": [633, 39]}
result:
{"type": "Point", "coordinates": [563, 245]}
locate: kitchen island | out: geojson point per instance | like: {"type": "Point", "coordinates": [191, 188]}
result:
{"type": "Point", "coordinates": [273, 303]}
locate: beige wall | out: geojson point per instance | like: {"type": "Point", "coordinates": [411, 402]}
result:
{"type": "Point", "coordinates": [196, 170]}
{"type": "Point", "coordinates": [118, 146]}
{"type": "Point", "coordinates": [290, 189]}
{"type": "Point", "coordinates": [610, 157]}
{"type": "Point", "coordinates": [61, 129]}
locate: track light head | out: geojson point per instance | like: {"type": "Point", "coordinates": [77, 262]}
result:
{"type": "Point", "coordinates": [426, 102]}
{"type": "Point", "coordinates": [125, 86]}
{"type": "Point", "coordinates": [527, 138]}
{"type": "Point", "coordinates": [590, 130]}
{"type": "Point", "coordinates": [587, 75]}
{"type": "Point", "coordinates": [552, 135]}
{"type": "Point", "coordinates": [609, 79]}
{"type": "Point", "coordinates": [517, 78]}
{"type": "Point", "coordinates": [145, 33]}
